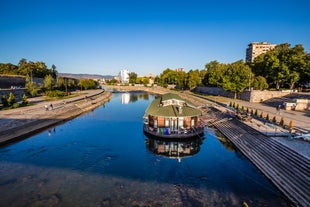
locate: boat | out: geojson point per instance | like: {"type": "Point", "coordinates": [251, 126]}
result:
{"type": "Point", "coordinates": [171, 116]}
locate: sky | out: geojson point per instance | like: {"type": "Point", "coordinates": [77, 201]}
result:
{"type": "Point", "coordinates": [145, 36]}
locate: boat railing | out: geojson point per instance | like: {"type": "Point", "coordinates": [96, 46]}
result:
{"type": "Point", "coordinates": [165, 131]}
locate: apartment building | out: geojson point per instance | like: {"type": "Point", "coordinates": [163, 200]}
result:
{"type": "Point", "coordinates": [256, 48]}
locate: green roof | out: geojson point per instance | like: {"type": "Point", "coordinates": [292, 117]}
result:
{"type": "Point", "coordinates": [157, 109]}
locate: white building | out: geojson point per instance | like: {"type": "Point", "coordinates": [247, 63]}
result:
{"type": "Point", "coordinates": [256, 48]}
{"type": "Point", "coordinates": [124, 76]}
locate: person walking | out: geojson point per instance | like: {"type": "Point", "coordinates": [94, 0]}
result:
{"type": "Point", "coordinates": [52, 106]}
{"type": "Point", "coordinates": [278, 110]}
{"type": "Point", "coordinates": [46, 107]}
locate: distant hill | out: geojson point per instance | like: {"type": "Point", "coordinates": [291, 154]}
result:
{"type": "Point", "coordinates": [86, 76]}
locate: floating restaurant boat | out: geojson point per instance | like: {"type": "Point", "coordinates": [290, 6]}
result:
{"type": "Point", "coordinates": [170, 116]}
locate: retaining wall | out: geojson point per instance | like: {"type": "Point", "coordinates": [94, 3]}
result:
{"type": "Point", "coordinates": [254, 96]}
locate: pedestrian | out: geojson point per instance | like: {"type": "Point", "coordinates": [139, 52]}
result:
{"type": "Point", "coordinates": [278, 109]}
{"type": "Point", "coordinates": [51, 106]}
{"type": "Point", "coordinates": [46, 108]}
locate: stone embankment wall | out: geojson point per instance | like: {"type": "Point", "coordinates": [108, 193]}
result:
{"type": "Point", "coordinates": [12, 81]}
{"type": "Point", "coordinates": [18, 93]}
{"type": "Point", "coordinates": [254, 96]}
{"type": "Point", "coordinates": [16, 85]}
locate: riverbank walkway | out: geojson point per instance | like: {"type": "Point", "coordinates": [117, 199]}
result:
{"type": "Point", "coordinates": [286, 168]}
{"type": "Point", "coordinates": [22, 122]}
{"type": "Point", "coordinates": [301, 119]}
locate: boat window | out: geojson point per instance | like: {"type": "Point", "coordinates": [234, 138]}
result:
{"type": "Point", "coordinates": [166, 122]}
{"type": "Point", "coordinates": [193, 122]}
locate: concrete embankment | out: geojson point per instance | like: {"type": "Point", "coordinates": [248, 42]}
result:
{"type": "Point", "coordinates": [19, 123]}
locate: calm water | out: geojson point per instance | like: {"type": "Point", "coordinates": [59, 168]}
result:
{"type": "Point", "coordinates": [103, 159]}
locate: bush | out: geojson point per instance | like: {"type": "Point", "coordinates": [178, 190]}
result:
{"type": "Point", "coordinates": [55, 93]}
{"type": "Point", "coordinates": [256, 112]}
{"type": "Point", "coordinates": [281, 122]}
{"type": "Point", "coordinates": [268, 118]}
{"type": "Point", "coordinates": [291, 125]}
{"type": "Point", "coordinates": [15, 105]}
{"type": "Point", "coordinates": [274, 119]}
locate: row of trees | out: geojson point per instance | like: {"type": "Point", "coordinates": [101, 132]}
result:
{"type": "Point", "coordinates": [283, 67]}
{"type": "Point", "coordinates": [33, 69]}
{"type": "Point", "coordinates": [59, 86]}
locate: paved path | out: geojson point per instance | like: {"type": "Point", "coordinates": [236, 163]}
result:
{"type": "Point", "coordinates": [301, 119]}
{"type": "Point", "coordinates": [23, 121]}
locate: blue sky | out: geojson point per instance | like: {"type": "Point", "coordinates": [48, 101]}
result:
{"type": "Point", "coordinates": [103, 37]}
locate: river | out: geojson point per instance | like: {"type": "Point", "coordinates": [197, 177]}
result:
{"type": "Point", "coordinates": [102, 158]}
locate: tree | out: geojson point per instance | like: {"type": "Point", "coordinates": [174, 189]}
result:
{"type": "Point", "coordinates": [31, 87]}
{"type": "Point", "coordinates": [49, 82]}
{"type": "Point", "coordinates": [214, 73]}
{"type": "Point", "coordinates": [284, 66]}
{"type": "Point", "coordinates": [11, 99]}
{"type": "Point", "coordinates": [24, 100]}
{"type": "Point", "coordinates": [87, 84]}
{"type": "Point", "coordinates": [236, 77]}
{"type": "Point", "coordinates": [60, 82]}
{"type": "Point", "coordinates": [260, 83]}
{"type": "Point", "coordinates": [53, 71]}
{"type": "Point", "coordinates": [8, 69]}
{"type": "Point", "coordinates": [132, 77]}
{"type": "Point", "coordinates": [193, 79]}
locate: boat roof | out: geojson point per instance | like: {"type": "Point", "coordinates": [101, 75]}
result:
{"type": "Point", "coordinates": [156, 108]}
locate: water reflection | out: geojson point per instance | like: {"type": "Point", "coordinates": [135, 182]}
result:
{"type": "Point", "coordinates": [125, 98]}
{"type": "Point", "coordinates": [176, 149]}
{"type": "Point", "coordinates": [132, 97]}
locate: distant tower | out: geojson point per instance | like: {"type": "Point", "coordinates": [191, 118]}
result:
{"type": "Point", "coordinates": [124, 76]}
{"type": "Point", "coordinates": [256, 48]}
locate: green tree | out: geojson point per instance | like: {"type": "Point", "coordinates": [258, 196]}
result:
{"type": "Point", "coordinates": [49, 82]}
{"type": "Point", "coordinates": [214, 73]}
{"type": "Point", "coordinates": [8, 69]}
{"type": "Point", "coordinates": [236, 77]}
{"type": "Point", "coordinates": [260, 83]}
{"type": "Point", "coordinates": [169, 76]}
{"type": "Point", "coordinates": [24, 100]}
{"type": "Point", "coordinates": [193, 79]}
{"type": "Point", "coordinates": [31, 87]}
{"type": "Point", "coordinates": [11, 99]}
{"type": "Point", "coordinates": [60, 82]}
{"type": "Point", "coordinates": [86, 84]}
{"type": "Point", "coordinates": [132, 77]}
{"type": "Point", "coordinates": [284, 66]}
